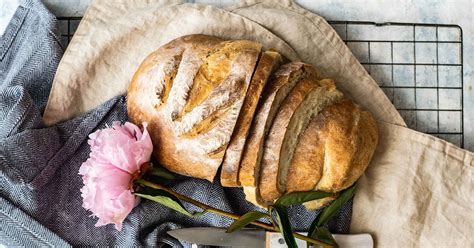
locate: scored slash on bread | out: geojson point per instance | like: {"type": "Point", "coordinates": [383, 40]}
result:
{"type": "Point", "coordinates": [192, 105]}
{"type": "Point", "coordinates": [268, 62]}
{"type": "Point", "coordinates": [210, 102]}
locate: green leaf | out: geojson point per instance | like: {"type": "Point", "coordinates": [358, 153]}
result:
{"type": "Point", "coordinates": [245, 220]}
{"type": "Point", "coordinates": [323, 234]}
{"type": "Point", "coordinates": [332, 209]}
{"type": "Point", "coordinates": [270, 214]}
{"type": "Point", "coordinates": [285, 226]}
{"type": "Point", "coordinates": [301, 197]}
{"type": "Point", "coordinates": [166, 199]}
{"type": "Point", "coordinates": [162, 172]}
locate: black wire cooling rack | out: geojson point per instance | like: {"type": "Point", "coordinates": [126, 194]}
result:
{"type": "Point", "coordinates": [419, 67]}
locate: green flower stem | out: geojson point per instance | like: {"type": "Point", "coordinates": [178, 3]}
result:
{"type": "Point", "coordinates": [227, 214]}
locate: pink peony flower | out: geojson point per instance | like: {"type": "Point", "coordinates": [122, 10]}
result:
{"type": "Point", "coordinates": [117, 155]}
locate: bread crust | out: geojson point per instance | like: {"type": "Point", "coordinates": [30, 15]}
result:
{"type": "Point", "coordinates": [317, 100]}
{"type": "Point", "coordinates": [192, 90]}
{"type": "Point", "coordinates": [368, 140]}
{"type": "Point", "coordinates": [345, 134]}
{"type": "Point", "coordinates": [268, 62]}
{"type": "Point", "coordinates": [332, 133]}
{"type": "Point", "coordinates": [272, 148]}
{"type": "Point", "coordinates": [282, 82]}
{"type": "Point", "coordinates": [308, 98]}
{"type": "Point", "coordinates": [276, 91]}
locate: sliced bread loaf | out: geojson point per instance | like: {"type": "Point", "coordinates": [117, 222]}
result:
{"type": "Point", "coordinates": [275, 92]}
{"type": "Point", "coordinates": [269, 61]}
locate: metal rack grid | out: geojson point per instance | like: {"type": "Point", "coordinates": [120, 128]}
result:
{"type": "Point", "coordinates": [418, 66]}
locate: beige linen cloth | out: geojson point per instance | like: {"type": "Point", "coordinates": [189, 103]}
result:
{"type": "Point", "coordinates": [417, 191]}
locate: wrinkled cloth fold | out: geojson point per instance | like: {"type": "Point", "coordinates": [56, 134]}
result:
{"type": "Point", "coordinates": [417, 192]}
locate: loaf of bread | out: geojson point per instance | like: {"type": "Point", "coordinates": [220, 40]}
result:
{"type": "Point", "coordinates": [191, 91]}
{"type": "Point", "coordinates": [272, 129]}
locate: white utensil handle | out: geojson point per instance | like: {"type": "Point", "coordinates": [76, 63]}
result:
{"type": "Point", "coordinates": [276, 240]}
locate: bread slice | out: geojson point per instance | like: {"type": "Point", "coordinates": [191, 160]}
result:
{"type": "Point", "coordinates": [269, 61]}
{"type": "Point", "coordinates": [307, 99]}
{"type": "Point", "coordinates": [190, 91]}
{"type": "Point", "coordinates": [275, 92]}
